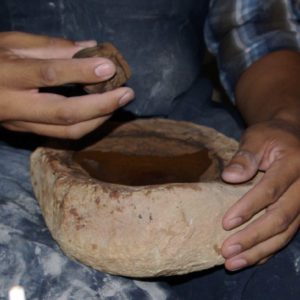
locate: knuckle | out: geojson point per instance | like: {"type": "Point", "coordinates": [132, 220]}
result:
{"type": "Point", "coordinates": [271, 193]}
{"type": "Point", "coordinates": [255, 238]}
{"type": "Point", "coordinates": [282, 221]}
{"type": "Point", "coordinates": [73, 132]}
{"type": "Point", "coordinates": [48, 75]}
{"type": "Point", "coordinates": [65, 115]}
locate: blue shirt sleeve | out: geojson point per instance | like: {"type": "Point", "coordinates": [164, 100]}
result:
{"type": "Point", "coordinates": [239, 32]}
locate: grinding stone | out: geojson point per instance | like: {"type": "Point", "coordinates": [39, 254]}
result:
{"type": "Point", "coordinates": [107, 50]}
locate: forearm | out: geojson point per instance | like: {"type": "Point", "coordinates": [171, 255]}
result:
{"type": "Point", "coordinates": [270, 89]}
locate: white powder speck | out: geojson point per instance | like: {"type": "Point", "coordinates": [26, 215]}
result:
{"type": "Point", "coordinates": [296, 253]}
{"type": "Point", "coordinates": [37, 250]}
{"type": "Point", "coordinates": [297, 264]}
{"type": "Point", "coordinates": [77, 290]}
{"type": "Point", "coordinates": [52, 4]}
{"type": "Point", "coordinates": [53, 264]}
{"type": "Point", "coordinates": [65, 295]}
{"type": "Point", "coordinates": [116, 289]}
{"type": "Point", "coordinates": [152, 289]}
{"type": "Point", "coordinates": [4, 234]}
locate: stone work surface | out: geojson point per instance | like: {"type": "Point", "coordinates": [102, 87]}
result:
{"type": "Point", "coordinates": [143, 231]}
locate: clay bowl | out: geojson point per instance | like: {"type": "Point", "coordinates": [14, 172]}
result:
{"type": "Point", "coordinates": [145, 200]}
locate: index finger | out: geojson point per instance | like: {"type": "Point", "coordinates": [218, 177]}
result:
{"type": "Point", "coordinates": [35, 73]}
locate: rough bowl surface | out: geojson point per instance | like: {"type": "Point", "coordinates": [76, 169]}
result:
{"type": "Point", "coordinates": [139, 231]}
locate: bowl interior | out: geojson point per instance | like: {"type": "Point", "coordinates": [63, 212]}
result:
{"type": "Point", "coordinates": [140, 159]}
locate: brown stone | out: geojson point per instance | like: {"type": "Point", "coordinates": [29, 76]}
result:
{"type": "Point", "coordinates": [123, 71]}
{"type": "Point", "coordinates": [157, 211]}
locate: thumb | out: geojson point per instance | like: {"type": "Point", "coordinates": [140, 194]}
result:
{"type": "Point", "coordinates": [245, 163]}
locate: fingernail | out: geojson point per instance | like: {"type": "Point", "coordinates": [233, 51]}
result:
{"type": "Point", "coordinates": [90, 43]}
{"type": "Point", "coordinates": [235, 168]}
{"type": "Point", "coordinates": [234, 222]}
{"type": "Point", "coordinates": [238, 264]}
{"type": "Point", "coordinates": [233, 250]}
{"type": "Point", "coordinates": [104, 70]}
{"type": "Point", "coordinates": [127, 97]}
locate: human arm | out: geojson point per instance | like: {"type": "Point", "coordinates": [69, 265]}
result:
{"type": "Point", "coordinates": [271, 107]}
{"type": "Point", "coordinates": [29, 62]}
{"type": "Point", "coordinates": [267, 93]}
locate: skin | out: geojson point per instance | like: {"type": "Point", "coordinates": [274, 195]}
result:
{"type": "Point", "coordinates": [29, 62]}
{"type": "Point", "coordinates": [271, 107]}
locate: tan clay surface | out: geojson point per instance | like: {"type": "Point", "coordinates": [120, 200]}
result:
{"type": "Point", "coordinates": [123, 71]}
{"type": "Point", "coordinates": [150, 228]}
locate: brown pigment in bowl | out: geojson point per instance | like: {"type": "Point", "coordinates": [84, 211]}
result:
{"type": "Point", "coordinates": [141, 170]}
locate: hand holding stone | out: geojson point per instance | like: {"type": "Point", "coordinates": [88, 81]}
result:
{"type": "Point", "coordinates": [121, 75]}
{"type": "Point", "coordinates": [29, 62]}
